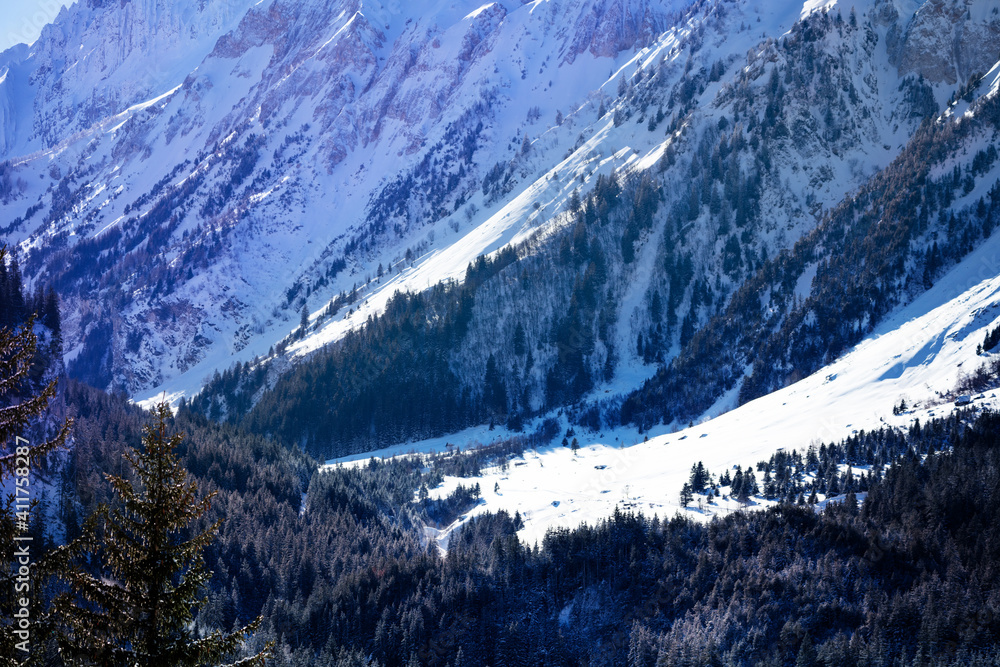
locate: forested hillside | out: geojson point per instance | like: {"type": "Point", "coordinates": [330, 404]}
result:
{"type": "Point", "coordinates": [438, 361]}
{"type": "Point", "coordinates": [438, 304]}
{"type": "Point", "coordinates": [343, 576]}
{"type": "Point", "coordinates": [902, 570]}
{"type": "Point", "coordinates": [873, 252]}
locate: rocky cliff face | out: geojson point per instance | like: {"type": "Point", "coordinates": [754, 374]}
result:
{"type": "Point", "coordinates": [273, 155]}
{"type": "Point", "coordinates": [265, 148]}
{"type": "Point", "coordinates": [947, 40]}
{"type": "Point", "coordinates": [99, 58]}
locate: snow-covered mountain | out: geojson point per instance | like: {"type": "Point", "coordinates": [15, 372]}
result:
{"type": "Point", "coordinates": [289, 155]}
{"type": "Point", "coordinates": [98, 59]}
{"type": "Point", "coordinates": [917, 357]}
{"type": "Point", "coordinates": [264, 147]}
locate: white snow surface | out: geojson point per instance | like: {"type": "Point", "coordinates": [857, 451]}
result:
{"type": "Point", "coordinates": [208, 90]}
{"type": "Point", "coordinates": [918, 354]}
{"type": "Point", "coordinates": [373, 115]}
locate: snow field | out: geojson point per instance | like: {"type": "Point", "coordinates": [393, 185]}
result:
{"type": "Point", "coordinates": [917, 354]}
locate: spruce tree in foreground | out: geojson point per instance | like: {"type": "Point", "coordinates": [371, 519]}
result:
{"type": "Point", "coordinates": [20, 406]}
{"type": "Point", "coordinates": [138, 610]}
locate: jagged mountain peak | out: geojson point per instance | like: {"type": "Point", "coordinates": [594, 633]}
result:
{"type": "Point", "coordinates": [94, 61]}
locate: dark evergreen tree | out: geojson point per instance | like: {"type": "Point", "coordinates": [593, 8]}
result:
{"type": "Point", "coordinates": [656, 307]}
{"type": "Point", "coordinates": [494, 392]}
{"type": "Point", "coordinates": [138, 608]}
{"type": "Point", "coordinates": [520, 340]}
{"type": "Point", "coordinates": [737, 484]}
{"type": "Point", "coordinates": [21, 403]}
{"type": "Point", "coordinates": [686, 495]}
{"type": "Point", "coordinates": [304, 319]}
{"type": "Point", "coordinates": [699, 477]}
{"type": "Point", "coordinates": [16, 304]}
{"type": "Point", "coordinates": [687, 327]}
{"type": "Point", "coordinates": [991, 339]}
{"type": "Point", "coordinates": [807, 653]}
{"type": "Point", "coordinates": [742, 488]}
{"type": "Point", "coordinates": [750, 482]}
{"type": "Point", "coordinates": [22, 408]}
{"type": "Point", "coordinates": [52, 320]}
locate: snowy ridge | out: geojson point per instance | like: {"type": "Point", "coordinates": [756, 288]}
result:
{"type": "Point", "coordinates": [632, 151]}
{"type": "Point", "coordinates": [363, 92]}
{"type": "Point", "coordinates": [338, 110]}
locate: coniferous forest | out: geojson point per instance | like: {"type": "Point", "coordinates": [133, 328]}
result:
{"type": "Point", "coordinates": [550, 225]}
{"type": "Point", "coordinates": [330, 567]}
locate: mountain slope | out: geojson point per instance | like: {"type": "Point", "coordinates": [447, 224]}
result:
{"type": "Point", "coordinates": [918, 355]}
{"type": "Point", "coordinates": [296, 141]}
{"type": "Point", "coordinates": [653, 180]}
{"type": "Point", "coordinates": [618, 285]}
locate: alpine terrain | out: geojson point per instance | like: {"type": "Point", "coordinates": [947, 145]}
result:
{"type": "Point", "coordinates": [490, 325]}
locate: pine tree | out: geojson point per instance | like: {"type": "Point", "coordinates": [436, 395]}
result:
{"type": "Point", "coordinates": [832, 488]}
{"type": "Point", "coordinates": [520, 340]}
{"type": "Point", "coordinates": [17, 350]}
{"type": "Point", "coordinates": [699, 477]}
{"type": "Point", "coordinates": [304, 319]}
{"type": "Point", "coordinates": [51, 319]}
{"type": "Point", "coordinates": [750, 483]}
{"type": "Point", "coordinates": [18, 308]}
{"type": "Point", "coordinates": [138, 610]}
{"type": "Point", "coordinates": [656, 307]}
{"type": "Point", "coordinates": [686, 495]}
{"type": "Point", "coordinates": [851, 503]}
{"type": "Point", "coordinates": [744, 485]}
{"type": "Point", "coordinates": [807, 653]}
{"type": "Point", "coordinates": [494, 391]}
{"type": "Point", "coordinates": [22, 406]}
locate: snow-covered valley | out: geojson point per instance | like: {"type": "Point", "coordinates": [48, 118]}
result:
{"type": "Point", "coordinates": [258, 176]}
